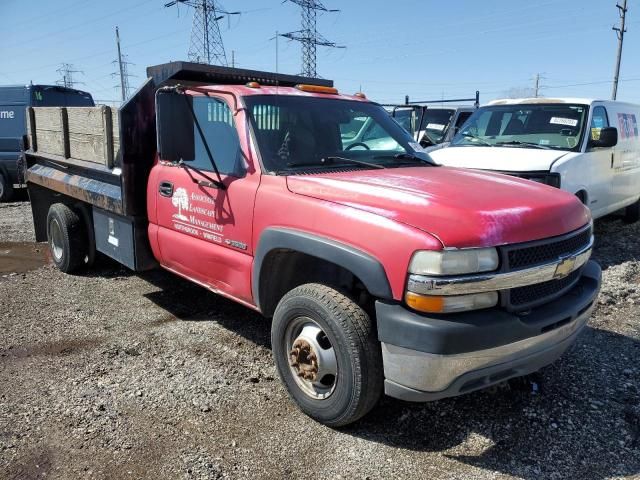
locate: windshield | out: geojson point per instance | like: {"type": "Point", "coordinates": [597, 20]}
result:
{"type": "Point", "coordinates": [405, 118]}
{"type": "Point", "coordinates": [295, 132]}
{"type": "Point", "coordinates": [60, 97]}
{"type": "Point", "coordinates": [548, 126]}
{"type": "Point", "coordinates": [436, 123]}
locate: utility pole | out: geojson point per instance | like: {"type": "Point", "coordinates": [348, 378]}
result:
{"type": "Point", "coordinates": [123, 89]}
{"type": "Point", "coordinates": [123, 70]}
{"type": "Point", "coordinates": [620, 31]}
{"type": "Point", "coordinates": [66, 71]}
{"type": "Point", "coordinates": [537, 86]}
{"type": "Point", "coordinates": [206, 40]}
{"type": "Point", "coordinates": [309, 36]}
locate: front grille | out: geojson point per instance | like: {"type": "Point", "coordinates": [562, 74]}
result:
{"type": "Point", "coordinates": [533, 294]}
{"type": "Point", "coordinates": [547, 252]}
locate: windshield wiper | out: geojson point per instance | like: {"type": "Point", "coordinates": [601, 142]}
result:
{"type": "Point", "coordinates": [406, 156]}
{"type": "Point", "coordinates": [330, 160]}
{"type": "Point", "coordinates": [528, 144]}
{"type": "Point", "coordinates": [475, 137]}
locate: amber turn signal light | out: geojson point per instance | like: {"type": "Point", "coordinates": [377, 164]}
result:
{"type": "Point", "coordinates": [317, 89]}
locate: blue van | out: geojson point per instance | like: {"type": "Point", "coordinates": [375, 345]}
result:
{"type": "Point", "coordinates": [13, 125]}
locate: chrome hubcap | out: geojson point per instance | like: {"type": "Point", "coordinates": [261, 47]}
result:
{"type": "Point", "coordinates": [56, 240]}
{"type": "Point", "coordinates": [312, 359]}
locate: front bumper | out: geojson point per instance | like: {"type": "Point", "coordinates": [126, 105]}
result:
{"type": "Point", "coordinates": [434, 357]}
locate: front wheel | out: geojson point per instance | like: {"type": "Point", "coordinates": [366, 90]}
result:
{"type": "Point", "coordinates": [327, 354]}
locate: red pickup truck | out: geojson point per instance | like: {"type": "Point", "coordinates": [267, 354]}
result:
{"type": "Point", "coordinates": [380, 270]}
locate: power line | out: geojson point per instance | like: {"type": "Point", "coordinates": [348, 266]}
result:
{"type": "Point", "coordinates": [309, 36]}
{"type": "Point", "coordinates": [206, 40]}
{"type": "Point", "coordinates": [620, 31]}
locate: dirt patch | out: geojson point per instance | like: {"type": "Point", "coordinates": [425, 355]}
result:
{"type": "Point", "coordinates": [65, 347]}
{"type": "Point", "coordinates": [22, 257]}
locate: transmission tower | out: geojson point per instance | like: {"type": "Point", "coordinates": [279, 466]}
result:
{"type": "Point", "coordinates": [309, 36]}
{"type": "Point", "coordinates": [66, 71]}
{"type": "Point", "coordinates": [206, 41]}
{"type": "Point", "coordinates": [123, 74]}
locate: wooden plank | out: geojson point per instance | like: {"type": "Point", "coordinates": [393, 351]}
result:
{"type": "Point", "coordinates": [115, 117]}
{"type": "Point", "coordinates": [50, 142]}
{"type": "Point", "coordinates": [87, 120]}
{"type": "Point", "coordinates": [31, 129]}
{"type": "Point", "coordinates": [48, 118]}
{"type": "Point", "coordinates": [90, 148]}
{"type": "Point", "coordinates": [108, 137]}
{"type": "Point", "coordinates": [65, 132]}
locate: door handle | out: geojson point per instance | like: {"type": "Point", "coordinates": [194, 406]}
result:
{"type": "Point", "coordinates": [166, 189]}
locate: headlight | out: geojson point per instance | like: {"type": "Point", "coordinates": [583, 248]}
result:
{"type": "Point", "coordinates": [450, 304]}
{"type": "Point", "coordinates": [454, 262]}
{"type": "Point", "coordinates": [551, 179]}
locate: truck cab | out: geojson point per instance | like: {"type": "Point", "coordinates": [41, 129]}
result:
{"type": "Point", "coordinates": [381, 271]}
{"type": "Point", "coordinates": [13, 125]}
{"type": "Point", "coordinates": [587, 147]}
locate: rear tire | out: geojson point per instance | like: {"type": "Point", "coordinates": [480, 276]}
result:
{"type": "Point", "coordinates": [632, 213]}
{"type": "Point", "coordinates": [67, 237]}
{"type": "Point", "coordinates": [342, 341]}
{"type": "Point", "coordinates": [6, 188]}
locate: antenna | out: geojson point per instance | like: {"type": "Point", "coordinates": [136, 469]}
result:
{"type": "Point", "coordinates": [309, 36]}
{"type": "Point", "coordinates": [206, 40]}
{"type": "Point", "coordinates": [66, 71]}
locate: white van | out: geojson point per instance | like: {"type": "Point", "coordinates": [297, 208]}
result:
{"type": "Point", "coordinates": [590, 148]}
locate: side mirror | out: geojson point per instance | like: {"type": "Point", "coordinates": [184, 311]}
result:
{"type": "Point", "coordinates": [608, 138]}
{"type": "Point", "coordinates": [175, 126]}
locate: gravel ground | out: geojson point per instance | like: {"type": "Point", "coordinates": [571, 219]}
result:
{"type": "Point", "coordinates": [114, 375]}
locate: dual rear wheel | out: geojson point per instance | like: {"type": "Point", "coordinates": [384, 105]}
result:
{"type": "Point", "coordinates": [68, 238]}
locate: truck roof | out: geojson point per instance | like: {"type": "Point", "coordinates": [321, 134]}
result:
{"type": "Point", "coordinates": [187, 72]}
{"type": "Point", "coordinates": [545, 100]}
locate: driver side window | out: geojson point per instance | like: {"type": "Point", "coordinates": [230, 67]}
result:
{"type": "Point", "coordinates": [599, 120]}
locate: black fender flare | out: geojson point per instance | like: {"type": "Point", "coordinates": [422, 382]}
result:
{"type": "Point", "coordinates": [367, 268]}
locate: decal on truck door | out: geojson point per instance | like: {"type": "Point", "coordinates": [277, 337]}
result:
{"type": "Point", "coordinates": [188, 218]}
{"type": "Point", "coordinates": [628, 127]}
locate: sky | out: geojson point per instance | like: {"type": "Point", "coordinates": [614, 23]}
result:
{"type": "Point", "coordinates": [422, 48]}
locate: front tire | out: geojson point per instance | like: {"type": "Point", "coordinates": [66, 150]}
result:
{"type": "Point", "coordinates": [6, 188]}
{"type": "Point", "coordinates": [67, 238]}
{"type": "Point", "coordinates": [632, 213]}
{"type": "Point", "coordinates": [327, 354]}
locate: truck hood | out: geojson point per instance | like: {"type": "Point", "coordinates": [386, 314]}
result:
{"type": "Point", "coordinates": [462, 208]}
{"type": "Point", "coordinates": [506, 159]}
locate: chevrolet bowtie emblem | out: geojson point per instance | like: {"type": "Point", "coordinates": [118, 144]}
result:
{"type": "Point", "coordinates": [565, 267]}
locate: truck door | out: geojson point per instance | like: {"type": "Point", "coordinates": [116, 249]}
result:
{"type": "Point", "coordinates": [598, 166]}
{"type": "Point", "coordinates": [204, 232]}
{"type": "Point", "coordinates": [626, 164]}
